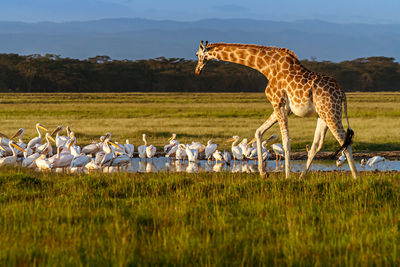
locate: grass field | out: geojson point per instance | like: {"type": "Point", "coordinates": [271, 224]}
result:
{"type": "Point", "coordinates": [197, 116]}
{"type": "Point", "coordinates": [198, 219]}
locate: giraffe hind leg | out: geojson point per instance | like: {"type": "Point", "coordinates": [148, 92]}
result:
{"type": "Point", "coordinates": [339, 133]}
{"type": "Point", "coordinates": [317, 144]}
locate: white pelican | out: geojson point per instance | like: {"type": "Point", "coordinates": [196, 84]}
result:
{"type": "Point", "coordinates": [373, 161]}
{"type": "Point", "coordinates": [340, 160]}
{"type": "Point", "coordinates": [99, 157]}
{"type": "Point", "coordinates": [80, 161]}
{"type": "Point", "coordinates": [279, 152]}
{"type": "Point", "coordinates": [38, 139]}
{"type": "Point", "coordinates": [172, 143]}
{"type": "Point", "coordinates": [42, 163]}
{"type": "Point", "coordinates": [150, 150]}
{"type": "Point", "coordinates": [227, 157]}
{"type": "Point", "coordinates": [210, 149]}
{"type": "Point", "coordinates": [198, 146]}
{"type": "Point", "coordinates": [236, 150]}
{"type": "Point", "coordinates": [107, 159]}
{"type": "Point", "coordinates": [91, 166]}
{"type": "Point", "coordinates": [172, 151]}
{"type": "Point", "coordinates": [61, 140]}
{"type": "Point", "coordinates": [244, 147]}
{"type": "Point", "coordinates": [266, 153]}
{"type": "Point", "coordinates": [61, 160]}
{"type": "Point", "coordinates": [142, 148]}
{"type": "Point", "coordinates": [91, 149]}
{"type": "Point", "coordinates": [46, 146]}
{"type": "Point", "coordinates": [109, 153]}
{"type": "Point", "coordinates": [217, 156]}
{"type": "Point", "coordinates": [121, 160]}
{"type": "Point", "coordinates": [192, 154]}
{"type": "Point", "coordinates": [180, 153]}
{"type": "Point", "coordinates": [11, 160]}
{"type": "Point", "coordinates": [30, 161]}
{"type": "Point", "coordinates": [129, 148]}
{"type": "Point", "coordinates": [252, 150]}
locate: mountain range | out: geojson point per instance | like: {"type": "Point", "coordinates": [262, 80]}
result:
{"type": "Point", "coordinates": [136, 38]}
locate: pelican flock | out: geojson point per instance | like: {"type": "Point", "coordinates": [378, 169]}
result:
{"type": "Point", "coordinates": [107, 154]}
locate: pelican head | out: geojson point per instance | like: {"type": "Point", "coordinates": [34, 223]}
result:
{"type": "Point", "coordinates": [20, 132]}
{"type": "Point", "coordinates": [234, 138]}
{"type": "Point", "coordinates": [252, 141]}
{"type": "Point", "coordinates": [48, 136]}
{"type": "Point", "coordinates": [172, 137]}
{"type": "Point", "coordinates": [12, 143]}
{"type": "Point", "coordinates": [57, 130]}
{"type": "Point", "coordinates": [202, 55]}
{"type": "Point", "coordinates": [38, 125]}
{"type": "Point", "coordinates": [113, 143]}
{"type": "Point", "coordinates": [108, 136]}
{"type": "Point", "coordinates": [272, 139]}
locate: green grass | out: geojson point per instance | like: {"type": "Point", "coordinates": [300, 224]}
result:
{"type": "Point", "coordinates": [194, 117]}
{"type": "Point", "coordinates": [198, 219]}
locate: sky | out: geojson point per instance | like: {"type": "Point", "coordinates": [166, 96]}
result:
{"type": "Point", "coordinates": [340, 11]}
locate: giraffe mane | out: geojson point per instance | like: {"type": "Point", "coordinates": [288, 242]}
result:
{"type": "Point", "coordinates": [269, 48]}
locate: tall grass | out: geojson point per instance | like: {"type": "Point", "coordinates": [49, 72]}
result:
{"type": "Point", "coordinates": [198, 219]}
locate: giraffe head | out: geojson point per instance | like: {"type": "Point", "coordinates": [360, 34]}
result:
{"type": "Point", "coordinates": [202, 57]}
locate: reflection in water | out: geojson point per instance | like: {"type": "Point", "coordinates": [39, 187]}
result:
{"type": "Point", "coordinates": [218, 167]}
{"type": "Point", "coordinates": [180, 167]}
{"type": "Point", "coordinates": [168, 165]}
{"type": "Point", "coordinates": [192, 167]}
{"type": "Point", "coordinates": [150, 167]}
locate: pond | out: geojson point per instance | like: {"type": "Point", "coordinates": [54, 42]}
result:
{"type": "Point", "coordinates": [162, 164]}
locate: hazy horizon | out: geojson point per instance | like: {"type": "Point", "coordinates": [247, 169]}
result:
{"type": "Point", "coordinates": [340, 11]}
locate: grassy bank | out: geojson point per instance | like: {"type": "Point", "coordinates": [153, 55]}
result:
{"type": "Point", "coordinates": [373, 116]}
{"type": "Point", "coordinates": [213, 219]}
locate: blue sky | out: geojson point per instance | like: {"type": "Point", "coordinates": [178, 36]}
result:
{"type": "Point", "coordinates": [343, 11]}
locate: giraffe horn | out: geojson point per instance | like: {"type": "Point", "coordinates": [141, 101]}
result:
{"type": "Point", "coordinates": [206, 43]}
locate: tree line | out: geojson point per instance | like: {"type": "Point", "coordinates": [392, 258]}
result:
{"type": "Point", "coordinates": [52, 73]}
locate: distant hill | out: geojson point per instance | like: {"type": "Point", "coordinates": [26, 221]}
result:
{"type": "Point", "coordinates": [143, 38]}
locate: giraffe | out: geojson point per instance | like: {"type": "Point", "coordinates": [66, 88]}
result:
{"type": "Point", "coordinates": [291, 88]}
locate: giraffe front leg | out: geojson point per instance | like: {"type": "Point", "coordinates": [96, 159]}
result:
{"type": "Point", "coordinates": [283, 124]}
{"type": "Point", "coordinates": [258, 135]}
{"type": "Point", "coordinates": [317, 144]}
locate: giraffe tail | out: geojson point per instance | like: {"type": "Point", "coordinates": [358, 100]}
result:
{"type": "Point", "coordinates": [348, 139]}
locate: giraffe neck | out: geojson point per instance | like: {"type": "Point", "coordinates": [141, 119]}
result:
{"type": "Point", "coordinates": [261, 58]}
